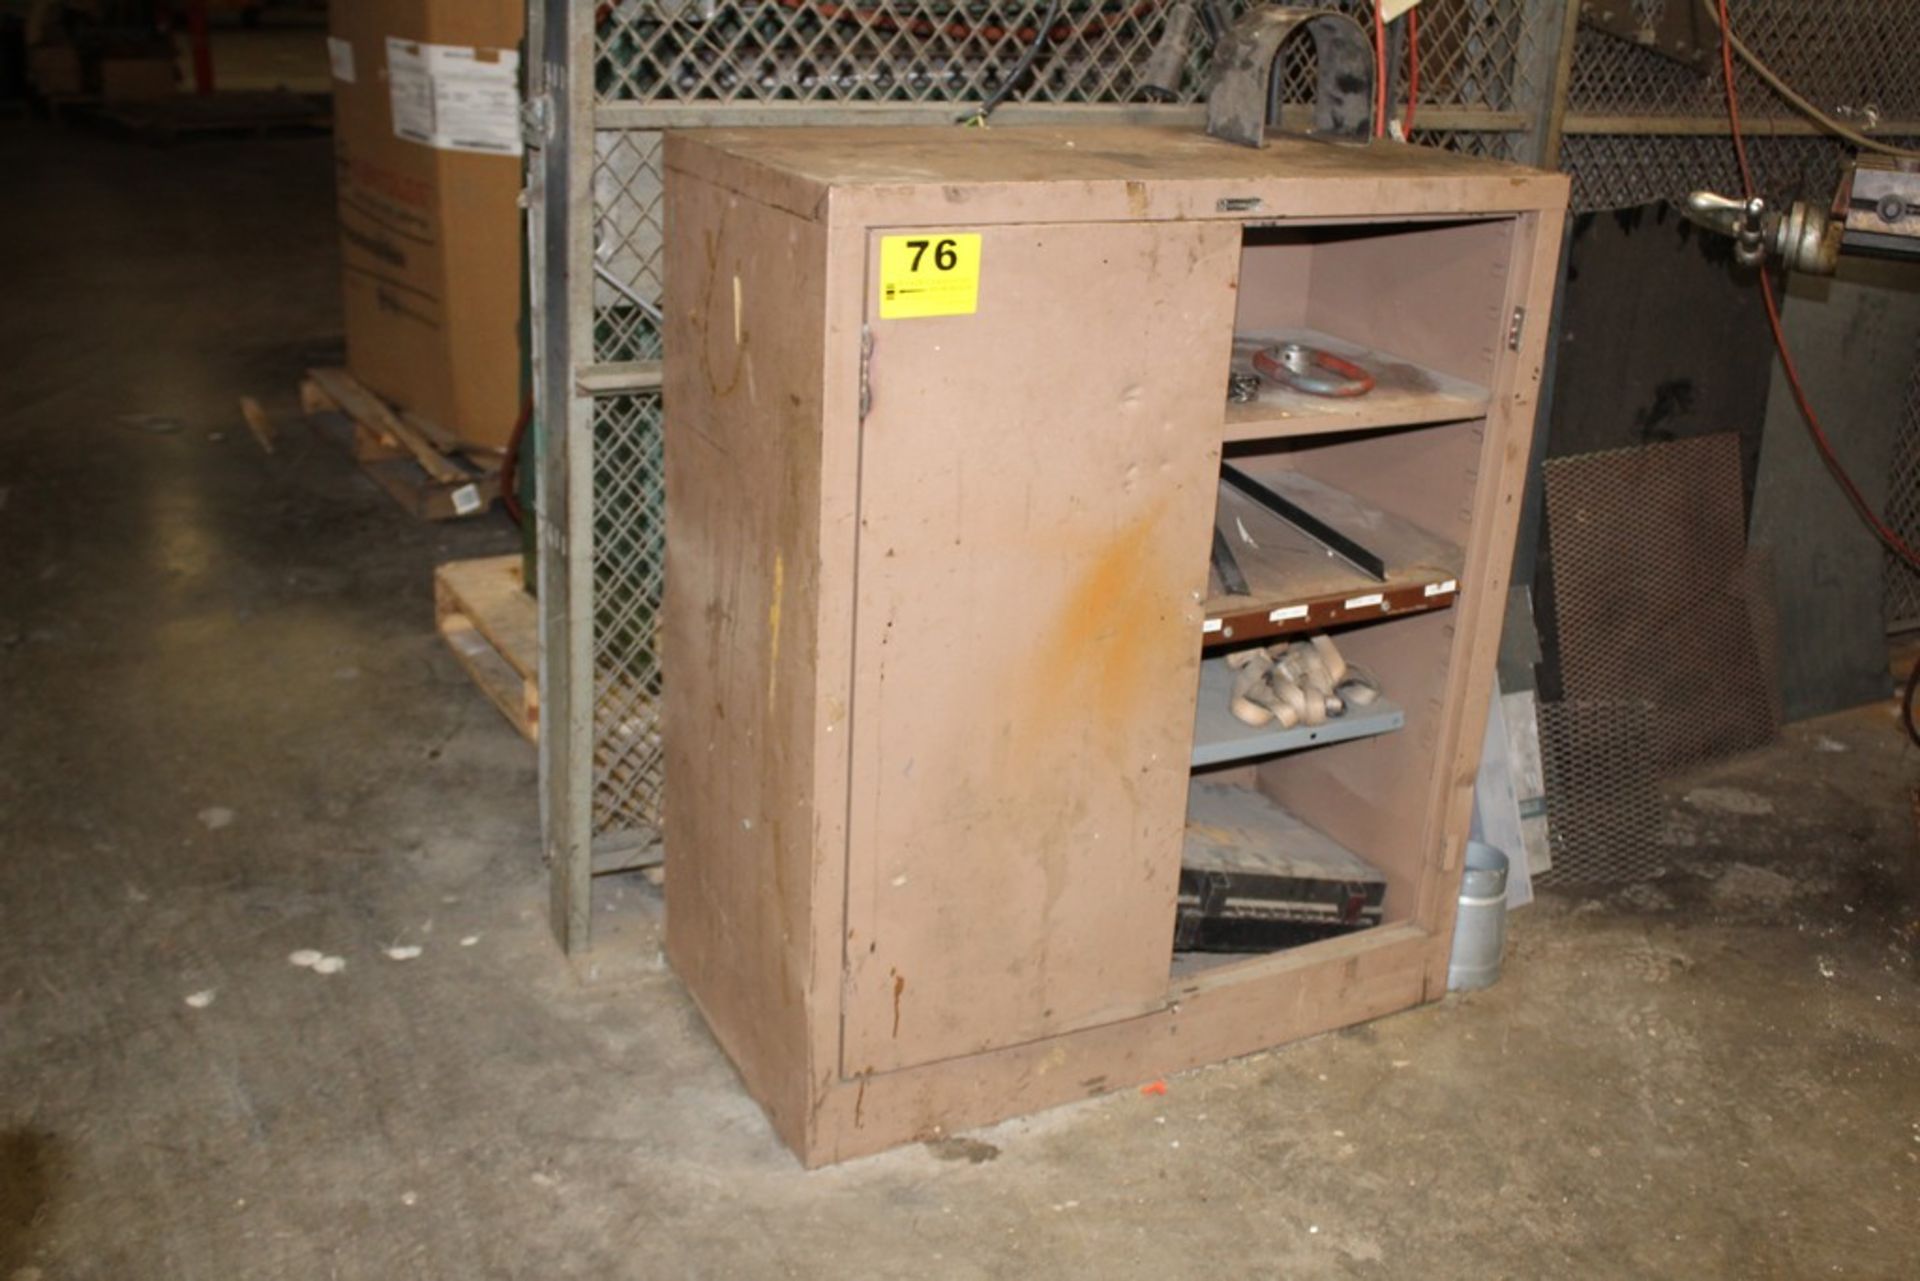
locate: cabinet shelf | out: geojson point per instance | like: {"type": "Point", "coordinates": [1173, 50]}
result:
{"type": "Point", "coordinates": [1220, 738]}
{"type": "Point", "coordinates": [1238, 829]}
{"type": "Point", "coordinates": [1404, 394]}
{"type": "Point", "coordinates": [1296, 584]}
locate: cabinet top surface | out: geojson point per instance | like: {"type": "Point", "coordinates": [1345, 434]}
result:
{"type": "Point", "coordinates": [950, 156]}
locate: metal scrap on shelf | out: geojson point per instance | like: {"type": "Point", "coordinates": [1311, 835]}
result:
{"type": "Point", "coordinates": [1304, 682]}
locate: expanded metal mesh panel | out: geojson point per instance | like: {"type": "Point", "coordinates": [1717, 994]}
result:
{"type": "Point", "coordinates": [1496, 146]}
{"type": "Point", "coordinates": [1618, 171]}
{"type": "Point", "coordinates": [1603, 798]}
{"type": "Point", "coordinates": [1853, 58]}
{"type": "Point", "coordinates": [1656, 598]}
{"type": "Point", "coordinates": [1486, 54]}
{"type": "Point", "coordinates": [938, 51]}
{"type": "Point", "coordinates": [629, 562]}
{"type": "Point", "coordinates": [888, 51]}
{"type": "Point", "coordinates": [1903, 512]}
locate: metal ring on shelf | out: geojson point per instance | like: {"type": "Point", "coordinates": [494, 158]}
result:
{"type": "Point", "coordinates": [1312, 370]}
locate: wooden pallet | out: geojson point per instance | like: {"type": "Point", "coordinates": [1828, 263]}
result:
{"type": "Point", "coordinates": [410, 457]}
{"type": "Point", "coordinates": [493, 627]}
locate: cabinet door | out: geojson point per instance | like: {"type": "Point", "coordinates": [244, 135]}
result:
{"type": "Point", "coordinates": [1037, 484]}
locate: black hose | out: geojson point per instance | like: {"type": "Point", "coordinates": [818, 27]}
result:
{"type": "Point", "coordinates": [1214, 19]}
{"type": "Point", "coordinates": [979, 115]}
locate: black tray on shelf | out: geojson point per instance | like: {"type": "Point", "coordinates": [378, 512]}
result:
{"type": "Point", "coordinates": [1253, 878]}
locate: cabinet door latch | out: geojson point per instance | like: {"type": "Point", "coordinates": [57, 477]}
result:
{"type": "Point", "coordinates": [1514, 326]}
{"type": "Point", "coordinates": [536, 120]}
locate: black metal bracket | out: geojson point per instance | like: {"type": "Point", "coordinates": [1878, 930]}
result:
{"type": "Point", "coordinates": [1233, 580]}
{"type": "Point", "coordinates": [1240, 95]}
{"type": "Point", "coordinates": [1355, 553]}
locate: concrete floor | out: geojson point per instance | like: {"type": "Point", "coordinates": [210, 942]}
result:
{"type": "Point", "coordinates": [227, 732]}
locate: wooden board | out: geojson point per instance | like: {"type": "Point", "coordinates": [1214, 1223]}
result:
{"type": "Point", "coordinates": [258, 422]}
{"type": "Point", "coordinates": [490, 621]}
{"type": "Point", "coordinates": [907, 176]}
{"type": "Point", "coordinates": [398, 455]}
{"type": "Point", "coordinates": [1297, 584]}
{"type": "Point", "coordinates": [1404, 393]}
{"type": "Point", "coordinates": [1238, 829]}
{"type": "Point", "coordinates": [367, 409]}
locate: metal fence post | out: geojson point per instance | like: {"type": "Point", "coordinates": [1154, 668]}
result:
{"type": "Point", "coordinates": [559, 243]}
{"type": "Point", "coordinates": [1553, 23]}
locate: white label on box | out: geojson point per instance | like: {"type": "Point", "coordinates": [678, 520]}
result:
{"type": "Point", "coordinates": [340, 54]}
{"type": "Point", "coordinates": [1443, 589]}
{"type": "Point", "coordinates": [411, 91]}
{"type": "Point", "coordinates": [455, 97]}
{"type": "Point", "coordinates": [1287, 613]}
{"type": "Point", "coordinates": [466, 500]}
{"type": "Point", "coordinates": [1366, 602]}
{"type": "Point", "coordinates": [1211, 625]}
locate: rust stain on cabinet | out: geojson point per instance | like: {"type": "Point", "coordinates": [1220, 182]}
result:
{"type": "Point", "coordinates": [1094, 659]}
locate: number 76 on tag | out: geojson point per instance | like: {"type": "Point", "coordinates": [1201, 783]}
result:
{"type": "Point", "coordinates": [929, 273]}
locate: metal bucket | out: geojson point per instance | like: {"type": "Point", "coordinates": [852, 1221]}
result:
{"type": "Point", "coordinates": [1480, 929]}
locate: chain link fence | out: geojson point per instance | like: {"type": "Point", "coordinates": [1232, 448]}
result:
{"type": "Point", "coordinates": [629, 575]}
{"type": "Point", "coordinates": [1473, 52]}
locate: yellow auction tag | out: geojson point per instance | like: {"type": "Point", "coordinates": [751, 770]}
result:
{"type": "Point", "coordinates": [932, 273]}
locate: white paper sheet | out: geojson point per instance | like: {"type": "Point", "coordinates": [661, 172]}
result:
{"type": "Point", "coordinates": [455, 97]}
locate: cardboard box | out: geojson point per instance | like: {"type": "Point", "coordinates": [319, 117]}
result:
{"type": "Point", "coordinates": [127, 79]}
{"type": "Point", "coordinates": [55, 71]}
{"type": "Point", "coordinates": [428, 170]}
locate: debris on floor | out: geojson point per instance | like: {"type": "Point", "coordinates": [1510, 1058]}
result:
{"type": "Point", "coordinates": [1730, 800]}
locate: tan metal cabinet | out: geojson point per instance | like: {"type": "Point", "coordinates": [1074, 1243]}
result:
{"type": "Point", "coordinates": [939, 613]}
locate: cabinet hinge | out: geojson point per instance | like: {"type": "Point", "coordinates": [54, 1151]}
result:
{"type": "Point", "coordinates": [866, 371]}
{"type": "Point", "coordinates": [1514, 326]}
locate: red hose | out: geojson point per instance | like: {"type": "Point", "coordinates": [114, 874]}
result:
{"type": "Point", "coordinates": [1413, 68]}
{"type": "Point", "coordinates": [1379, 72]}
